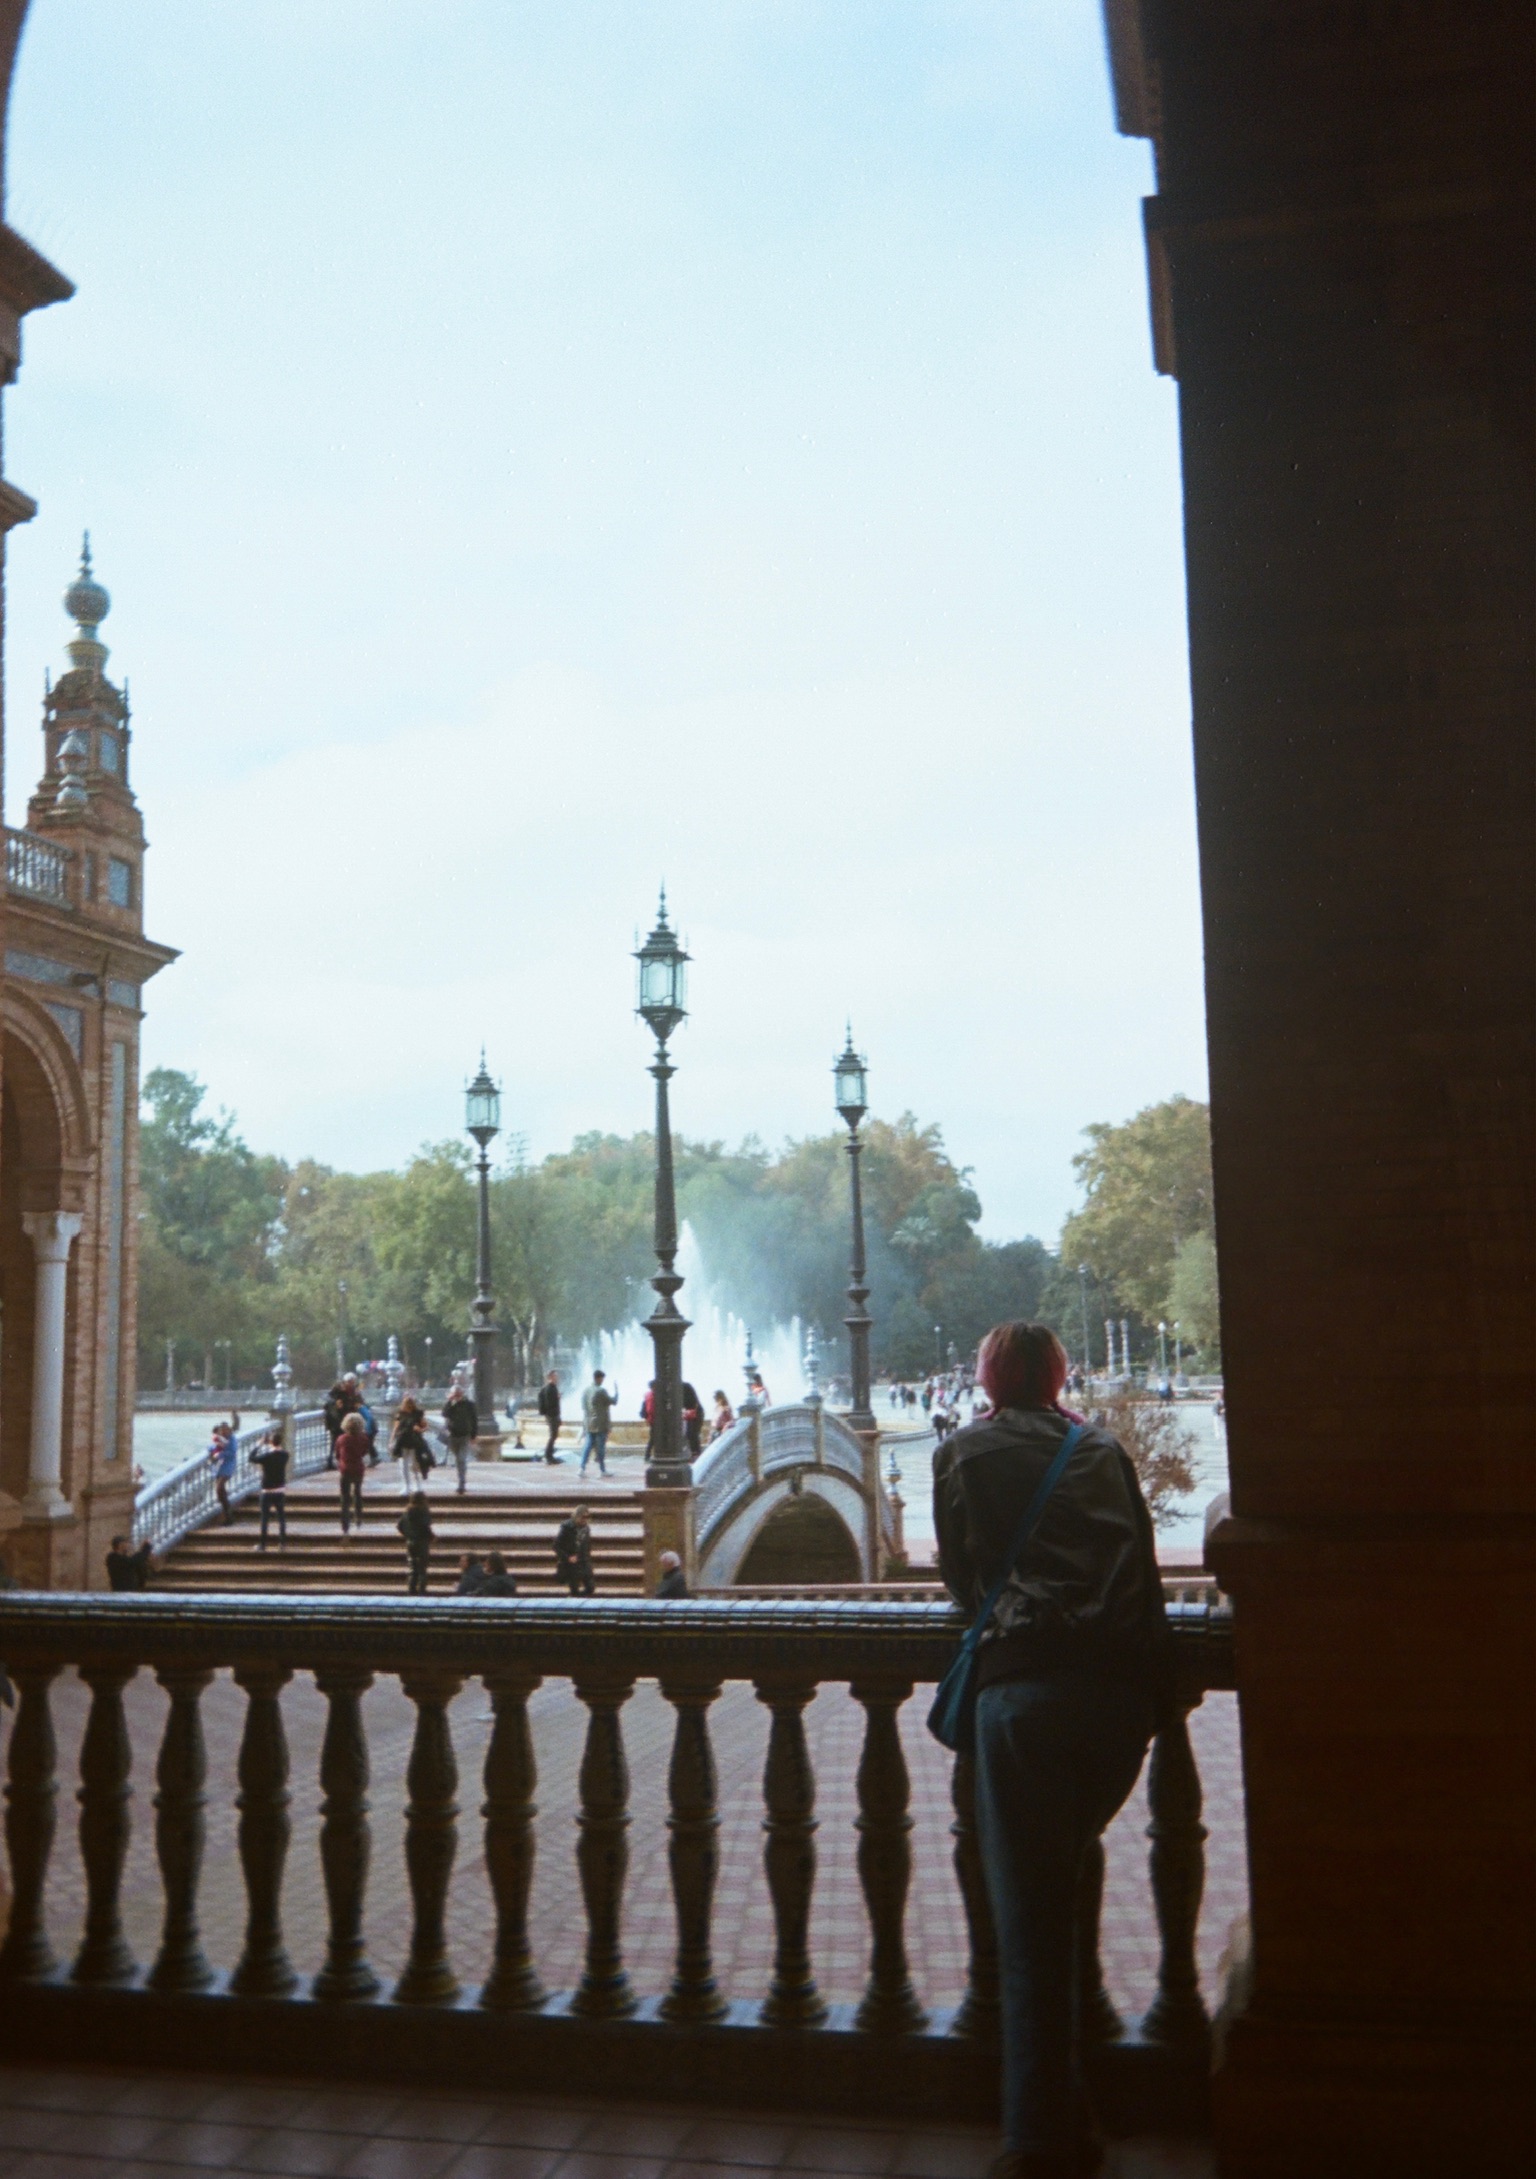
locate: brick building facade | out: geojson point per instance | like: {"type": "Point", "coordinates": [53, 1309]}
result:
{"type": "Point", "coordinates": [75, 965]}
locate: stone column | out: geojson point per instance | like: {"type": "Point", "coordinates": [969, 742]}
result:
{"type": "Point", "coordinates": [50, 1233]}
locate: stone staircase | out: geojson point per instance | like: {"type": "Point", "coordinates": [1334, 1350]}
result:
{"type": "Point", "coordinates": [319, 1560]}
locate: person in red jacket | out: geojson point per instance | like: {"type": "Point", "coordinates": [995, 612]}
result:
{"type": "Point", "coordinates": [352, 1460]}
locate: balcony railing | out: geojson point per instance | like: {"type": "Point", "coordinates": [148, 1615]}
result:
{"type": "Point", "coordinates": [37, 866]}
{"type": "Point", "coordinates": [186, 1497]}
{"type": "Point", "coordinates": [684, 2039]}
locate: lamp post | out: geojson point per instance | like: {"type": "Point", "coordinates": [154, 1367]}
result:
{"type": "Point", "coordinates": [482, 1120]}
{"type": "Point", "coordinates": [1082, 1288]}
{"type": "Point", "coordinates": [1162, 1347]}
{"type": "Point", "coordinates": [661, 993]}
{"type": "Point", "coordinates": [851, 1074]}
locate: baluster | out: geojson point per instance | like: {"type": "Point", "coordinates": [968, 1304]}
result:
{"type": "Point", "coordinates": [789, 1792]}
{"type": "Point", "coordinates": [511, 1774]}
{"type": "Point", "coordinates": [602, 1849]}
{"type": "Point", "coordinates": [431, 1838]}
{"type": "Point", "coordinates": [344, 1833]}
{"type": "Point", "coordinates": [265, 1969]}
{"type": "Point", "coordinates": [1177, 1864]}
{"type": "Point", "coordinates": [977, 2014]}
{"type": "Point", "coordinates": [30, 1796]}
{"type": "Point", "coordinates": [693, 1851]}
{"type": "Point", "coordinates": [179, 1829]}
{"type": "Point", "coordinates": [1099, 2020]}
{"type": "Point", "coordinates": [106, 1759]}
{"type": "Point", "coordinates": [885, 1858]}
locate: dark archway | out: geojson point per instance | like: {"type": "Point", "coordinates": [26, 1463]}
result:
{"type": "Point", "coordinates": [802, 1541]}
{"type": "Point", "coordinates": [30, 1147]}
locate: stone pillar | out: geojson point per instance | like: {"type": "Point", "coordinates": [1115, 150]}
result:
{"type": "Point", "coordinates": [1340, 256]}
{"type": "Point", "coordinates": [668, 1515]}
{"type": "Point", "coordinates": [51, 1233]}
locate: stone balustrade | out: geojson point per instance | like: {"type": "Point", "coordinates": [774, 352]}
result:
{"type": "Point", "coordinates": [687, 2039]}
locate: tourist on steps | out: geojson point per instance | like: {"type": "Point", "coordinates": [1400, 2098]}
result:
{"type": "Point", "coordinates": [573, 1553]}
{"type": "Point", "coordinates": [723, 1417]}
{"type": "Point", "coordinates": [498, 1580]}
{"type": "Point", "coordinates": [549, 1410]}
{"type": "Point", "coordinates": [674, 1582]}
{"type": "Point", "coordinates": [471, 1574]}
{"type": "Point", "coordinates": [461, 1419]}
{"type": "Point", "coordinates": [415, 1525]}
{"type": "Point", "coordinates": [128, 1570]}
{"type": "Point", "coordinates": [352, 1460]}
{"type": "Point", "coordinates": [224, 1459]}
{"type": "Point", "coordinates": [1070, 1677]}
{"type": "Point", "coordinates": [408, 1444]}
{"type": "Point", "coordinates": [271, 1457]}
{"type": "Point", "coordinates": [597, 1418]}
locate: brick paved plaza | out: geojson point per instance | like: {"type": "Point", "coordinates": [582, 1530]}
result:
{"type": "Point", "coordinates": [743, 1925]}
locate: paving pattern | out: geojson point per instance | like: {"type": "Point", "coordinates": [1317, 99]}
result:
{"type": "Point", "coordinates": [743, 1921]}
{"type": "Point", "coordinates": [101, 2125]}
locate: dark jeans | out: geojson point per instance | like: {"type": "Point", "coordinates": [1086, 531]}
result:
{"type": "Point", "coordinates": [351, 1500]}
{"type": "Point", "coordinates": [1055, 1758]}
{"type": "Point", "coordinates": [416, 1583]}
{"type": "Point", "coordinates": [554, 1433]}
{"type": "Point", "coordinates": [579, 1579]}
{"type": "Point", "coordinates": [274, 1501]}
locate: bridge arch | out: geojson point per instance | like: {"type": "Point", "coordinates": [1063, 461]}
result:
{"type": "Point", "coordinates": [789, 1496]}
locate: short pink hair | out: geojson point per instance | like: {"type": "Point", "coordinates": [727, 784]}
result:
{"type": "Point", "coordinates": [1022, 1365]}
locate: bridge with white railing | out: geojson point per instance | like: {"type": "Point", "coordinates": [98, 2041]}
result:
{"type": "Point", "coordinates": [788, 1487]}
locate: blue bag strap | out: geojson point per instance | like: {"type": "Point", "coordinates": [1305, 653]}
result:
{"type": "Point", "coordinates": [1026, 1529]}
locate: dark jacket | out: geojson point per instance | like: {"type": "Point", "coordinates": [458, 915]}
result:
{"type": "Point", "coordinates": [462, 1418]}
{"type": "Point", "coordinates": [471, 1581]}
{"type": "Point", "coordinates": [502, 1584]}
{"type": "Point", "coordinates": [1087, 1589]}
{"type": "Point", "coordinates": [573, 1545]}
{"type": "Point", "coordinates": [415, 1525]}
{"type": "Point", "coordinates": [673, 1583]}
{"type": "Point", "coordinates": [273, 1463]}
{"type": "Point", "coordinates": [549, 1402]}
{"type": "Point", "coordinates": [129, 1569]}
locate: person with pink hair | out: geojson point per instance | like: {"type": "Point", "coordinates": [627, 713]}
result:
{"type": "Point", "coordinates": [1071, 1668]}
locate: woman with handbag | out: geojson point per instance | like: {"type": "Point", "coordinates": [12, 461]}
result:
{"type": "Point", "coordinates": [408, 1444]}
{"type": "Point", "coordinates": [1045, 1539]}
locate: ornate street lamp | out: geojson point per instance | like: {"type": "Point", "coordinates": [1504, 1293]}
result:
{"type": "Point", "coordinates": [851, 1074]}
{"type": "Point", "coordinates": [482, 1120]}
{"type": "Point", "coordinates": [660, 1003]}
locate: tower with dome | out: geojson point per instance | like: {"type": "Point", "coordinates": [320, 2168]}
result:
{"type": "Point", "coordinates": [76, 962]}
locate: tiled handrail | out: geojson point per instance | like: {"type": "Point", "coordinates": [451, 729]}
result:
{"type": "Point", "coordinates": [38, 866]}
{"type": "Point", "coordinates": [186, 1496]}
{"type": "Point", "coordinates": [785, 1650]}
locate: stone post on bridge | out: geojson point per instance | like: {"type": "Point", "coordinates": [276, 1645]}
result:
{"type": "Point", "coordinates": [669, 1525]}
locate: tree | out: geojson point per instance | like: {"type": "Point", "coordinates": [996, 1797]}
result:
{"type": "Point", "coordinates": [209, 1213]}
{"type": "Point", "coordinates": [1194, 1299]}
{"type": "Point", "coordinates": [1159, 1445]}
{"type": "Point", "coordinates": [1148, 1188]}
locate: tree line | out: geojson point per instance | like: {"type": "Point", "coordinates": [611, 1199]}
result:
{"type": "Point", "coordinates": [236, 1247]}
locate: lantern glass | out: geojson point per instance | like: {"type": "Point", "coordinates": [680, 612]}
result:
{"type": "Point", "coordinates": [852, 1084]}
{"type": "Point", "coordinates": [482, 1106]}
{"type": "Point", "coordinates": [663, 981]}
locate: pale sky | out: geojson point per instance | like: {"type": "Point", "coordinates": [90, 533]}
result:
{"type": "Point", "coordinates": [539, 449]}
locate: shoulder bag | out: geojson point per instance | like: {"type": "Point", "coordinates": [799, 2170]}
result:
{"type": "Point", "coordinates": [952, 1719]}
